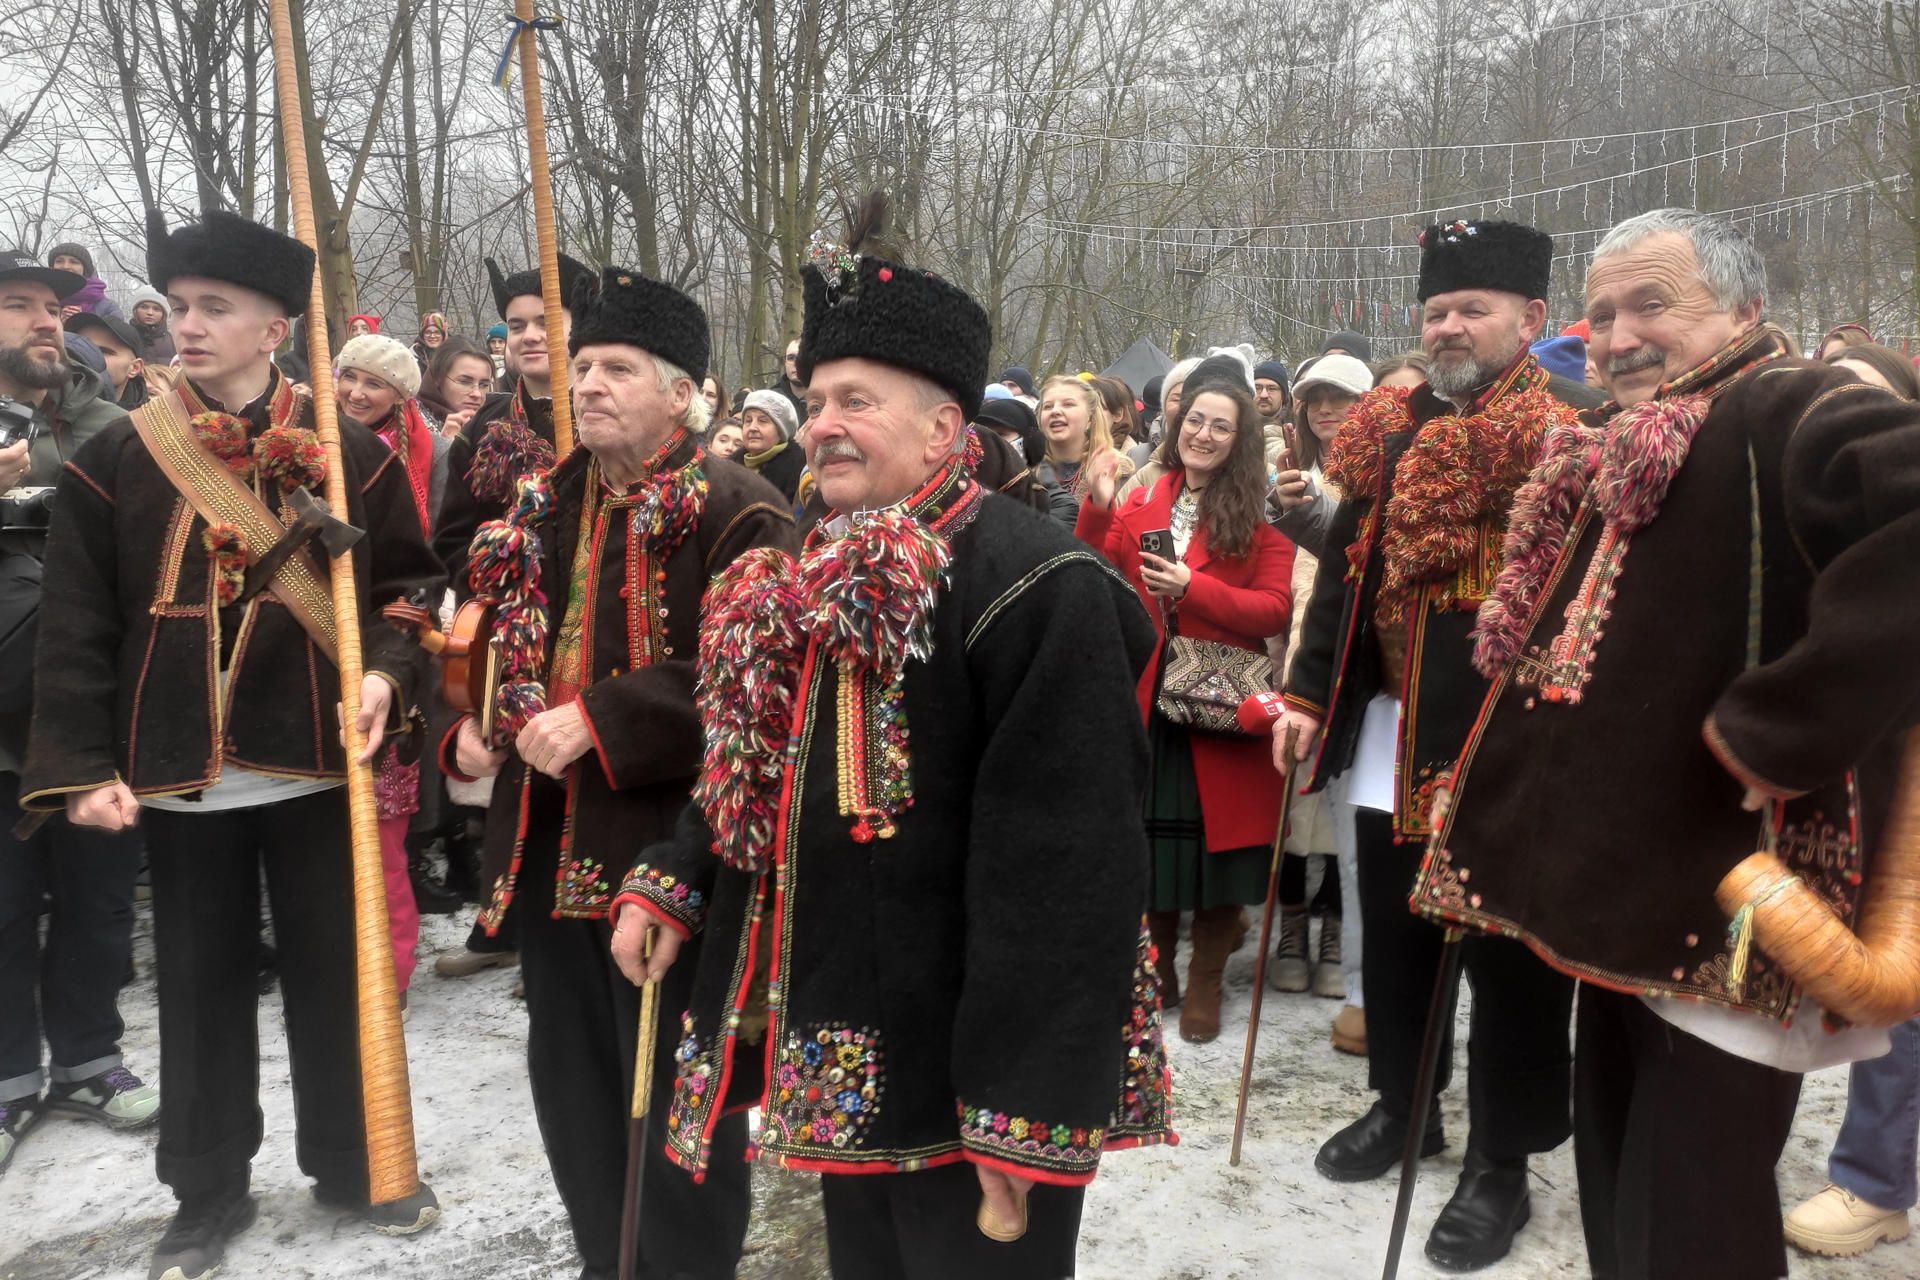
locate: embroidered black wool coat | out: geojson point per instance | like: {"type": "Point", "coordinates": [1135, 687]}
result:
{"type": "Point", "coordinates": [975, 986]}
{"type": "Point", "coordinates": [641, 641]}
{"type": "Point", "coordinates": [130, 644]}
{"type": "Point", "coordinates": [1759, 631]}
{"type": "Point", "coordinates": [1337, 671]}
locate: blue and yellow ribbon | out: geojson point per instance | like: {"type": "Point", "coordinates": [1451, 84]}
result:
{"type": "Point", "coordinates": [522, 29]}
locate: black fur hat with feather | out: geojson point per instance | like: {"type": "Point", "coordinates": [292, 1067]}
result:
{"type": "Point", "coordinates": [861, 304]}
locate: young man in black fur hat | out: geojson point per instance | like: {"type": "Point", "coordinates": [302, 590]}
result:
{"type": "Point", "coordinates": [175, 693]}
{"type": "Point", "coordinates": [1384, 666]}
{"type": "Point", "coordinates": [604, 742]}
{"type": "Point", "coordinates": [922, 953]}
{"type": "Point", "coordinates": [512, 433]}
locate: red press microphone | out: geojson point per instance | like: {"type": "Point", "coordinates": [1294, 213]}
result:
{"type": "Point", "coordinates": [1260, 711]}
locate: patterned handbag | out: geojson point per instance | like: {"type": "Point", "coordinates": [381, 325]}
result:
{"type": "Point", "coordinates": [1203, 683]}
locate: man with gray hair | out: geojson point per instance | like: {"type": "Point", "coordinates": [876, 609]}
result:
{"type": "Point", "coordinates": [598, 574]}
{"type": "Point", "coordinates": [1701, 645]}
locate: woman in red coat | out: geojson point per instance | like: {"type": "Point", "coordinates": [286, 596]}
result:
{"type": "Point", "coordinates": [1211, 806]}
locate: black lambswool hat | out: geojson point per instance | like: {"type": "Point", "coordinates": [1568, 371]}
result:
{"type": "Point", "coordinates": [1508, 256]}
{"type": "Point", "coordinates": [521, 283]}
{"type": "Point", "coordinates": [863, 306]}
{"type": "Point", "coordinates": [226, 246]}
{"type": "Point", "coordinates": [629, 308]}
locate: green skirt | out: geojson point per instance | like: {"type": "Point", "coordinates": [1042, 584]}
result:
{"type": "Point", "coordinates": [1185, 876]}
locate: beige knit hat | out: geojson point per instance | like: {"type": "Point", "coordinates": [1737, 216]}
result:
{"type": "Point", "coordinates": [384, 358]}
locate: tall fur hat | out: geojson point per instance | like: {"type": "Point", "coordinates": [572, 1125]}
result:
{"type": "Point", "coordinates": [640, 312]}
{"type": "Point", "coordinates": [1509, 256]}
{"type": "Point", "coordinates": [521, 283]}
{"type": "Point", "coordinates": [226, 246]}
{"type": "Point", "coordinates": [862, 305]}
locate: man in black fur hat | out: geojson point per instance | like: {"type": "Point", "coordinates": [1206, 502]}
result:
{"type": "Point", "coordinates": [600, 569]}
{"type": "Point", "coordinates": [512, 433]}
{"type": "Point", "coordinates": [1428, 477]}
{"type": "Point", "coordinates": [922, 954]}
{"type": "Point", "coordinates": [176, 691]}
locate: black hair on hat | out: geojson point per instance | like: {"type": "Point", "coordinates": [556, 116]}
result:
{"type": "Point", "coordinates": [868, 307]}
{"type": "Point", "coordinates": [226, 246]}
{"type": "Point", "coordinates": [1509, 256]}
{"type": "Point", "coordinates": [522, 283]}
{"type": "Point", "coordinates": [632, 309]}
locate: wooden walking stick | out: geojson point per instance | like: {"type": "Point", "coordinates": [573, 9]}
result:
{"type": "Point", "coordinates": [526, 27]}
{"type": "Point", "coordinates": [637, 1124]}
{"type": "Point", "coordinates": [1266, 934]}
{"type": "Point", "coordinates": [393, 1175]}
{"type": "Point", "coordinates": [1438, 1011]}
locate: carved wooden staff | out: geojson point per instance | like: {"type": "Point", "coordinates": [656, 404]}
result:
{"type": "Point", "coordinates": [393, 1174]}
{"type": "Point", "coordinates": [637, 1124]}
{"type": "Point", "coordinates": [1266, 933]}
{"type": "Point", "coordinates": [525, 35]}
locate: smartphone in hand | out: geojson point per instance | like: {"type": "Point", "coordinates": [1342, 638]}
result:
{"type": "Point", "coordinates": [1157, 542]}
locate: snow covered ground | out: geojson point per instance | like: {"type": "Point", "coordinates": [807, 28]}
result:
{"type": "Point", "coordinates": [81, 1203]}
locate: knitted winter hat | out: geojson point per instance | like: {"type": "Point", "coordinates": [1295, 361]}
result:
{"type": "Point", "coordinates": [1272, 371]}
{"type": "Point", "coordinates": [73, 250]}
{"type": "Point", "coordinates": [385, 359]}
{"type": "Point", "coordinates": [1354, 343]}
{"type": "Point", "coordinates": [777, 407]}
{"type": "Point", "coordinates": [225, 246]}
{"type": "Point", "coordinates": [1020, 376]}
{"type": "Point", "coordinates": [521, 283]}
{"type": "Point", "coordinates": [629, 308]}
{"type": "Point", "coordinates": [373, 322]}
{"type": "Point", "coordinates": [1565, 355]}
{"type": "Point", "coordinates": [497, 331]}
{"type": "Point", "coordinates": [1508, 256]}
{"type": "Point", "coordinates": [144, 294]}
{"type": "Point", "coordinates": [1226, 367]}
{"type": "Point", "coordinates": [863, 306]}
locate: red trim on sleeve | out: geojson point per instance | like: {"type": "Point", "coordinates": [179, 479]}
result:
{"type": "Point", "coordinates": [648, 907]}
{"type": "Point", "coordinates": [606, 766]}
{"type": "Point", "coordinates": [449, 755]}
{"type": "Point", "coordinates": [1028, 1172]}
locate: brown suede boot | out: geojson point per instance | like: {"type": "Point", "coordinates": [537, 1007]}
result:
{"type": "Point", "coordinates": [1212, 938]}
{"type": "Point", "coordinates": [1164, 928]}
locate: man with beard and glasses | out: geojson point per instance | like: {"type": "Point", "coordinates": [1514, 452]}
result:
{"type": "Point", "coordinates": [84, 875]}
{"type": "Point", "coordinates": [1701, 646]}
{"type": "Point", "coordinates": [1427, 476]}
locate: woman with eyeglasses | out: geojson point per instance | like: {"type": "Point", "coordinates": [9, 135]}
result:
{"type": "Point", "coordinates": [458, 381]}
{"type": "Point", "coordinates": [1209, 568]}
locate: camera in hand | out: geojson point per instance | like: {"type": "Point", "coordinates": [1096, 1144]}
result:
{"type": "Point", "coordinates": [17, 423]}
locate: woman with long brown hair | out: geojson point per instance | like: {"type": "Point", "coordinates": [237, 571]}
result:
{"type": "Point", "coordinates": [1207, 566]}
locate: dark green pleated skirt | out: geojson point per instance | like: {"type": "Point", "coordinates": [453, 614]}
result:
{"type": "Point", "coordinates": [1185, 876]}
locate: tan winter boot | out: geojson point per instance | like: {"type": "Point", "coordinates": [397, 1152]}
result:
{"type": "Point", "coordinates": [1288, 971]}
{"type": "Point", "coordinates": [1164, 928]}
{"type": "Point", "coordinates": [1212, 938]}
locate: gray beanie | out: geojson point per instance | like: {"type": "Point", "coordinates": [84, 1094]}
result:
{"type": "Point", "coordinates": [144, 294]}
{"type": "Point", "coordinates": [777, 407]}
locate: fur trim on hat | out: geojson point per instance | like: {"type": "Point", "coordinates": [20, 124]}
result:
{"type": "Point", "coordinates": [1508, 256]}
{"type": "Point", "coordinates": [523, 283]}
{"type": "Point", "coordinates": [385, 359]}
{"type": "Point", "coordinates": [640, 312]}
{"type": "Point", "coordinates": [225, 246]}
{"type": "Point", "coordinates": [775, 406]}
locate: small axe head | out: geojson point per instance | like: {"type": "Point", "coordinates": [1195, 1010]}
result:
{"type": "Point", "coordinates": [313, 514]}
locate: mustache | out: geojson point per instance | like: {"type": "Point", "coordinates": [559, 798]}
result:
{"type": "Point", "coordinates": [1644, 358]}
{"type": "Point", "coordinates": [838, 451]}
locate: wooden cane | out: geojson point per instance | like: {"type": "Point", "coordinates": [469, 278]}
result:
{"type": "Point", "coordinates": [392, 1171]}
{"type": "Point", "coordinates": [543, 227]}
{"type": "Point", "coordinates": [1266, 933]}
{"type": "Point", "coordinates": [637, 1123]}
{"type": "Point", "coordinates": [1444, 983]}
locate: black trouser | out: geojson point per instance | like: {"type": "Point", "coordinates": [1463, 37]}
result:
{"type": "Point", "coordinates": [582, 1031]}
{"type": "Point", "coordinates": [206, 871]}
{"type": "Point", "coordinates": [1675, 1143]}
{"type": "Point", "coordinates": [1293, 884]}
{"type": "Point", "coordinates": [1519, 1085]}
{"type": "Point", "coordinates": [922, 1226]}
{"type": "Point", "coordinates": [89, 876]}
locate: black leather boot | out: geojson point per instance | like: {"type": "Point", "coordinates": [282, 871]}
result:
{"type": "Point", "coordinates": [1374, 1143]}
{"type": "Point", "coordinates": [431, 895]}
{"type": "Point", "coordinates": [1488, 1208]}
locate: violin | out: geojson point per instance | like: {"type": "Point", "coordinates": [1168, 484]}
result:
{"type": "Point", "coordinates": [469, 653]}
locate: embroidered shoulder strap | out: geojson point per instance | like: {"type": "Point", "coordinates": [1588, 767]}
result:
{"type": "Point", "coordinates": [220, 498]}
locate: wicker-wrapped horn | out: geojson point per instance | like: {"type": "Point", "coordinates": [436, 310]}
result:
{"type": "Point", "coordinates": [1869, 975]}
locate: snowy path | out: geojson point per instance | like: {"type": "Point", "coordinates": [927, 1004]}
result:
{"type": "Point", "coordinates": [81, 1203]}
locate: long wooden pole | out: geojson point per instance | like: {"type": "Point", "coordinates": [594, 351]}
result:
{"type": "Point", "coordinates": [1260, 956]}
{"type": "Point", "coordinates": [392, 1171]}
{"type": "Point", "coordinates": [543, 229]}
{"type": "Point", "coordinates": [645, 1045]}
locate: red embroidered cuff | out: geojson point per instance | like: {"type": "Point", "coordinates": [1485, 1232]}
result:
{"type": "Point", "coordinates": [1305, 706]}
{"type": "Point", "coordinates": [665, 895]}
{"type": "Point", "coordinates": [606, 765]}
{"type": "Point", "coordinates": [449, 754]}
{"type": "Point", "coordinates": [1717, 744]}
{"type": "Point", "coordinates": [1056, 1154]}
